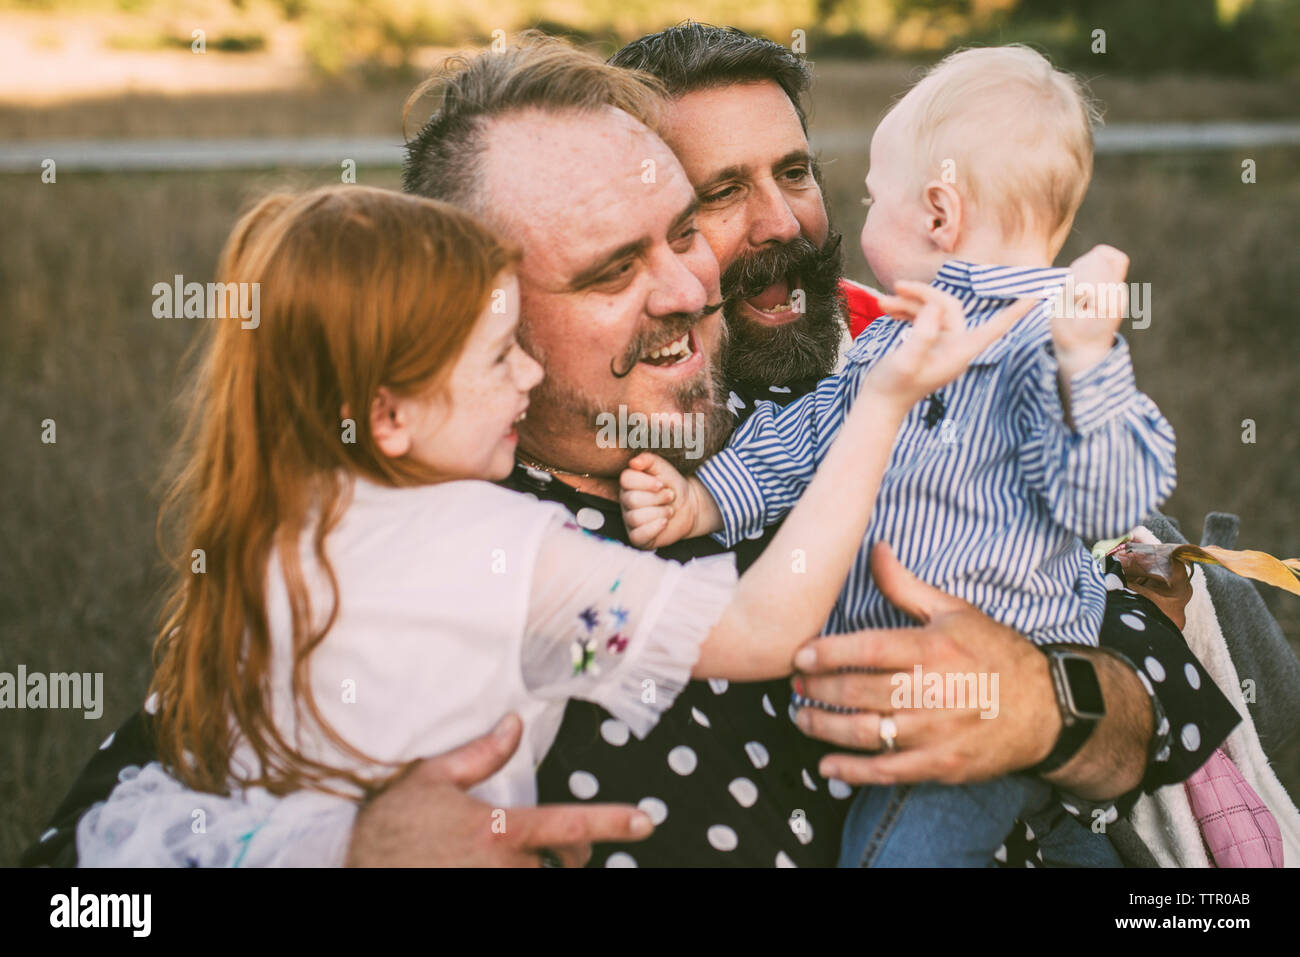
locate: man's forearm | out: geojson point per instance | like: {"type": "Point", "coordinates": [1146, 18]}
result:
{"type": "Point", "coordinates": [1114, 758]}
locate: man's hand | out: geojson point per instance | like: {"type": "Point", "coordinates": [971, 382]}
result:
{"type": "Point", "coordinates": [954, 745]}
{"type": "Point", "coordinates": [1084, 332]}
{"type": "Point", "coordinates": [949, 745]}
{"type": "Point", "coordinates": [662, 506]}
{"type": "Point", "coordinates": [425, 818]}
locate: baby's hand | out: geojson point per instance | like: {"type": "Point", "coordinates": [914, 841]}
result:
{"type": "Point", "coordinates": [657, 500]}
{"type": "Point", "coordinates": [1086, 331]}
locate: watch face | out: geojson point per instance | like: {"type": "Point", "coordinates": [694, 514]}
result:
{"type": "Point", "coordinates": [1083, 688]}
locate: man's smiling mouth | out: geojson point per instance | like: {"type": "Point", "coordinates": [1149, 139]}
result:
{"type": "Point", "coordinates": [676, 352]}
{"type": "Point", "coordinates": [775, 305]}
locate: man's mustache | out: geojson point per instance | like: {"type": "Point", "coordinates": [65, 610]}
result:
{"type": "Point", "coordinates": [641, 342]}
{"type": "Point", "coordinates": [817, 269]}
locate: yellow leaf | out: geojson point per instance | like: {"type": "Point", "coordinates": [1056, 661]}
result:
{"type": "Point", "coordinates": [1259, 566]}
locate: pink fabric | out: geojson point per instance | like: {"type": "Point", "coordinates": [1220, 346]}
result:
{"type": "Point", "coordinates": [1238, 830]}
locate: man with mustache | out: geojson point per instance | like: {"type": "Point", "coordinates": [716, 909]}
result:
{"type": "Point", "coordinates": [761, 203]}
{"type": "Point", "coordinates": [737, 125]}
{"type": "Point", "coordinates": [621, 304]}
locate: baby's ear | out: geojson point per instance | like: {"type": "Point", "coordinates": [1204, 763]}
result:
{"type": "Point", "coordinates": [388, 424]}
{"type": "Point", "coordinates": [943, 214]}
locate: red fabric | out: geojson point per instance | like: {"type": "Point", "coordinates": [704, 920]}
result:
{"type": "Point", "coordinates": [863, 307]}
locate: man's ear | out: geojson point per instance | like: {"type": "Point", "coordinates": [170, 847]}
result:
{"type": "Point", "coordinates": [944, 214]}
{"type": "Point", "coordinates": [388, 424]}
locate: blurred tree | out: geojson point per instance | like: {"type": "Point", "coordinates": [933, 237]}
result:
{"type": "Point", "coordinates": [1238, 36]}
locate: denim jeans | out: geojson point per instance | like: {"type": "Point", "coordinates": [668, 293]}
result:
{"type": "Point", "coordinates": [935, 825]}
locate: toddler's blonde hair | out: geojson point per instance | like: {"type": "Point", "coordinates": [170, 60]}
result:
{"type": "Point", "coordinates": [1018, 133]}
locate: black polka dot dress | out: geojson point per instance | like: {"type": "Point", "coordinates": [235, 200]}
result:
{"type": "Point", "coordinates": [726, 775]}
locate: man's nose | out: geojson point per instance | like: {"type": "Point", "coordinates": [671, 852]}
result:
{"type": "Point", "coordinates": [772, 220]}
{"type": "Point", "coordinates": [679, 289]}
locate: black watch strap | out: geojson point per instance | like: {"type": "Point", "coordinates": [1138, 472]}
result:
{"type": "Point", "coordinates": [1067, 746]}
{"type": "Point", "coordinates": [1074, 682]}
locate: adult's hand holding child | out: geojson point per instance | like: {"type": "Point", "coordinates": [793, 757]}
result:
{"type": "Point", "coordinates": [956, 745]}
{"type": "Point", "coordinates": [949, 745]}
{"type": "Point", "coordinates": [425, 818]}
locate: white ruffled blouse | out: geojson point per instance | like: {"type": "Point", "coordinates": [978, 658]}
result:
{"type": "Point", "coordinates": [458, 602]}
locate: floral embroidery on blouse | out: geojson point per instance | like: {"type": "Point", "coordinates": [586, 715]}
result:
{"type": "Point", "coordinates": [584, 657]}
{"type": "Point", "coordinates": [584, 649]}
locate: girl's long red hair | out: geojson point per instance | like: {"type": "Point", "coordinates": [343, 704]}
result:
{"type": "Point", "coordinates": [359, 288]}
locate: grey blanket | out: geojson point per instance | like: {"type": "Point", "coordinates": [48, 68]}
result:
{"type": "Point", "coordinates": [1259, 651]}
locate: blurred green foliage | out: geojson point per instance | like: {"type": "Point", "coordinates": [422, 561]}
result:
{"type": "Point", "coordinates": [1261, 39]}
{"type": "Point", "coordinates": [382, 37]}
{"type": "Point", "coordinates": [375, 36]}
{"type": "Point", "coordinates": [225, 42]}
{"type": "Point", "coordinates": [1254, 37]}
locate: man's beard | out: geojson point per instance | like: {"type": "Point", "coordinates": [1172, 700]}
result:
{"type": "Point", "coordinates": [708, 397]}
{"type": "Point", "coordinates": [804, 348]}
{"type": "Point", "coordinates": [705, 395]}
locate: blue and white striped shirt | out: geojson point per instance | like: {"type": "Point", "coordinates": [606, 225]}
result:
{"type": "Point", "coordinates": [987, 492]}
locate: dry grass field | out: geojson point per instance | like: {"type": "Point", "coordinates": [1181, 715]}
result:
{"type": "Point", "coordinates": [78, 259]}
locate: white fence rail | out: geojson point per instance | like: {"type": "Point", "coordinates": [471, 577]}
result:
{"type": "Point", "coordinates": [378, 152]}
